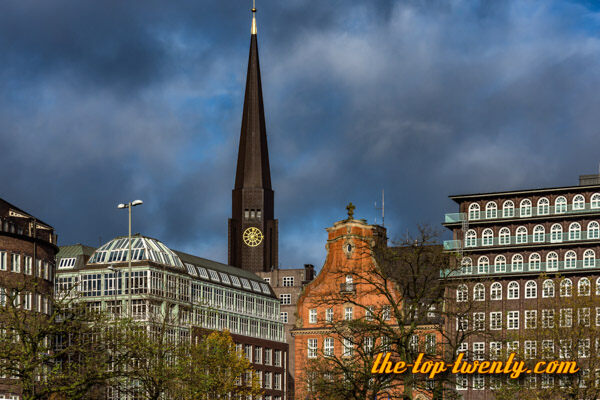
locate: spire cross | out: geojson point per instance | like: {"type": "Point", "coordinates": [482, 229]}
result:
{"type": "Point", "coordinates": [350, 207]}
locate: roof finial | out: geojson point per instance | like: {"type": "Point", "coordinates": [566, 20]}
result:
{"type": "Point", "coordinates": [253, 30]}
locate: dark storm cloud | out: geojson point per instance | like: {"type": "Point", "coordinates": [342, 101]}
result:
{"type": "Point", "coordinates": [103, 102]}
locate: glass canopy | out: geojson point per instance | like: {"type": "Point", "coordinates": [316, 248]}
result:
{"type": "Point", "coordinates": [142, 249]}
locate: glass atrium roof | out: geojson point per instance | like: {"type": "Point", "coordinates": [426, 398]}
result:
{"type": "Point", "coordinates": [142, 249]}
{"type": "Point", "coordinates": [148, 249]}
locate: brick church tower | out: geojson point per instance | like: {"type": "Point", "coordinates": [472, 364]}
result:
{"type": "Point", "coordinates": [252, 228]}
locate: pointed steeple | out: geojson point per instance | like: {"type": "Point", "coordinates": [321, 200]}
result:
{"type": "Point", "coordinates": [253, 229]}
{"type": "Point", "coordinates": [253, 156]}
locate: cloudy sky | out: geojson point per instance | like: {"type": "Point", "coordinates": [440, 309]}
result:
{"type": "Point", "coordinates": [105, 102]}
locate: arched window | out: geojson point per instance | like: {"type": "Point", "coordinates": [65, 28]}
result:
{"type": "Point", "coordinates": [535, 262]}
{"type": "Point", "coordinates": [517, 263]}
{"type": "Point", "coordinates": [578, 202]}
{"type": "Point", "coordinates": [575, 231]}
{"type": "Point", "coordinates": [500, 264]}
{"type": "Point", "coordinates": [530, 290]}
{"type": "Point", "coordinates": [539, 234]}
{"type": "Point", "coordinates": [504, 236]}
{"type": "Point", "coordinates": [583, 287]}
{"type": "Point", "coordinates": [513, 290]}
{"type": "Point", "coordinates": [556, 235]}
{"type": "Point", "coordinates": [543, 206]}
{"type": "Point", "coordinates": [496, 291]}
{"type": "Point", "coordinates": [570, 259]}
{"type": "Point", "coordinates": [479, 292]}
{"type": "Point", "coordinates": [487, 237]}
{"type": "Point", "coordinates": [595, 200]}
{"type": "Point", "coordinates": [566, 288]}
{"type": "Point", "coordinates": [482, 265]}
{"type": "Point", "coordinates": [560, 205]}
{"type": "Point", "coordinates": [491, 210]}
{"type": "Point", "coordinates": [462, 293]}
{"type": "Point", "coordinates": [467, 266]}
{"type": "Point", "coordinates": [593, 230]}
{"type": "Point", "coordinates": [508, 209]}
{"type": "Point", "coordinates": [521, 236]}
{"type": "Point", "coordinates": [471, 238]}
{"type": "Point", "coordinates": [589, 258]}
{"type": "Point", "coordinates": [548, 288]}
{"type": "Point", "coordinates": [552, 261]}
{"type": "Point", "coordinates": [474, 211]}
{"type": "Point", "coordinates": [525, 208]}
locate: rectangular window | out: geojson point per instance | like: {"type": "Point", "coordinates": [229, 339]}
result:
{"type": "Point", "coordinates": [3, 263]}
{"type": "Point", "coordinates": [312, 348]}
{"type": "Point", "coordinates": [15, 262]}
{"type": "Point", "coordinates": [248, 352]}
{"type": "Point", "coordinates": [547, 318]}
{"type": "Point", "coordinates": [478, 382]}
{"type": "Point", "coordinates": [479, 321]}
{"type": "Point", "coordinates": [495, 350]}
{"type": "Point", "coordinates": [530, 349]}
{"type": "Point", "coordinates": [566, 317]}
{"type": "Point", "coordinates": [268, 356]}
{"type": "Point", "coordinates": [496, 320]}
{"type": "Point", "coordinates": [284, 317]}
{"type": "Point", "coordinates": [277, 360]}
{"type": "Point", "coordinates": [583, 316]}
{"type": "Point", "coordinates": [312, 316]}
{"type": "Point", "coordinates": [348, 313]}
{"type": "Point", "coordinates": [387, 313]}
{"type": "Point", "coordinates": [329, 314]}
{"type": "Point", "coordinates": [583, 348]}
{"type": "Point", "coordinates": [277, 383]}
{"type": "Point", "coordinates": [288, 281]}
{"type": "Point", "coordinates": [286, 299]}
{"type": "Point", "coordinates": [462, 323]}
{"type": "Point", "coordinates": [478, 351]}
{"type": "Point", "coordinates": [268, 380]}
{"type": "Point", "coordinates": [513, 320]}
{"type": "Point", "coordinates": [348, 348]}
{"type": "Point", "coordinates": [369, 313]}
{"type": "Point", "coordinates": [564, 348]}
{"type": "Point", "coordinates": [530, 319]}
{"type": "Point", "coordinates": [547, 349]}
{"type": "Point", "coordinates": [257, 355]}
{"type": "Point", "coordinates": [430, 343]}
{"type": "Point", "coordinates": [462, 382]}
{"type": "Point", "coordinates": [28, 265]}
{"type": "Point", "coordinates": [328, 346]}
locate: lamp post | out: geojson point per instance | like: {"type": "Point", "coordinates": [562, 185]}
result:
{"type": "Point", "coordinates": [130, 280]}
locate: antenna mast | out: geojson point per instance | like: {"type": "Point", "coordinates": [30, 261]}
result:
{"type": "Point", "coordinates": [382, 208]}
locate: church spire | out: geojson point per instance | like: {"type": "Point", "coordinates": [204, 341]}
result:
{"type": "Point", "coordinates": [253, 157]}
{"type": "Point", "coordinates": [253, 229]}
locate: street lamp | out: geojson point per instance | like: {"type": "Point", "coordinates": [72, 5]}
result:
{"type": "Point", "coordinates": [128, 206]}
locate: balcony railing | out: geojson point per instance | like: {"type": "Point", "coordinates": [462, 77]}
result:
{"type": "Point", "coordinates": [521, 240]}
{"type": "Point", "coordinates": [347, 287]}
{"type": "Point", "coordinates": [486, 215]}
{"type": "Point", "coordinates": [552, 266]}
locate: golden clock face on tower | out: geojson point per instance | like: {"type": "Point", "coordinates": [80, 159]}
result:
{"type": "Point", "coordinates": [252, 236]}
